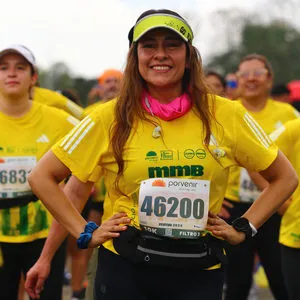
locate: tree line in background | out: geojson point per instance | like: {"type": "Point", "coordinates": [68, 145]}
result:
{"type": "Point", "coordinates": [277, 39]}
{"type": "Point", "coordinates": [60, 77]}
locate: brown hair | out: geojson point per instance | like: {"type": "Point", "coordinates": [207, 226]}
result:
{"type": "Point", "coordinates": [129, 109]}
{"type": "Point", "coordinates": [261, 58]}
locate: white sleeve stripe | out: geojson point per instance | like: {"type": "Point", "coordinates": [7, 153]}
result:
{"type": "Point", "coordinates": [75, 109]}
{"type": "Point", "coordinates": [259, 128]}
{"type": "Point", "coordinates": [256, 132]}
{"type": "Point", "coordinates": [275, 134]}
{"type": "Point", "coordinates": [81, 137]}
{"type": "Point", "coordinates": [68, 136]}
{"type": "Point", "coordinates": [73, 134]}
{"type": "Point", "coordinates": [73, 120]}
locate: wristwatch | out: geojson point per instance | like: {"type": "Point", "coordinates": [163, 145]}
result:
{"type": "Point", "coordinates": [243, 225]}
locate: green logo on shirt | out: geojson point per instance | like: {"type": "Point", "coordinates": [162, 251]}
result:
{"type": "Point", "coordinates": [295, 236]}
{"type": "Point", "coordinates": [166, 155]}
{"type": "Point", "coordinates": [189, 153]}
{"type": "Point", "coordinates": [151, 155]}
{"type": "Point", "coordinates": [175, 171]}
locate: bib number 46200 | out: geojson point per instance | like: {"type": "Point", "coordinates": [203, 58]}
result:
{"type": "Point", "coordinates": [168, 207]}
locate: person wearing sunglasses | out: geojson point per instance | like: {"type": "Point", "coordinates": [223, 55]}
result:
{"type": "Point", "coordinates": [231, 89]}
{"type": "Point", "coordinates": [255, 78]}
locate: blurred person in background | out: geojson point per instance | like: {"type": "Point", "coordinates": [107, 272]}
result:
{"type": "Point", "coordinates": [216, 82]}
{"type": "Point", "coordinates": [79, 258]}
{"type": "Point", "coordinates": [110, 81]}
{"type": "Point", "coordinates": [72, 95]}
{"type": "Point", "coordinates": [288, 140]}
{"type": "Point", "coordinates": [255, 77]}
{"type": "Point", "coordinates": [94, 95]}
{"type": "Point", "coordinates": [109, 86]}
{"type": "Point", "coordinates": [55, 99]}
{"type": "Point", "coordinates": [294, 87]}
{"type": "Point", "coordinates": [280, 92]}
{"type": "Point", "coordinates": [231, 90]}
{"type": "Point", "coordinates": [29, 129]}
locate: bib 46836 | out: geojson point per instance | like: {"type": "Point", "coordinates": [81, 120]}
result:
{"type": "Point", "coordinates": [13, 175]}
{"type": "Point", "coordinates": [176, 208]}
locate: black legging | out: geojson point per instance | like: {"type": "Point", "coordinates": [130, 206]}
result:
{"type": "Point", "coordinates": [20, 257]}
{"type": "Point", "coordinates": [118, 278]}
{"type": "Point", "coordinates": [291, 270]}
{"type": "Point", "coordinates": [241, 259]}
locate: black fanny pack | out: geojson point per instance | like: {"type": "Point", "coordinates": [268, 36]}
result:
{"type": "Point", "coordinates": [18, 201]}
{"type": "Point", "coordinates": [147, 248]}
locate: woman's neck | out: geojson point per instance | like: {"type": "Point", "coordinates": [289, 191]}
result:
{"type": "Point", "coordinates": [15, 106]}
{"type": "Point", "coordinates": [164, 95]}
{"type": "Point", "coordinates": [255, 104]}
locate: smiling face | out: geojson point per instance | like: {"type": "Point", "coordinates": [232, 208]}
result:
{"type": "Point", "coordinates": [16, 76]}
{"type": "Point", "coordinates": [254, 79]}
{"type": "Point", "coordinates": [162, 61]}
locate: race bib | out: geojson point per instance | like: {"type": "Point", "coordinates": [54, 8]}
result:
{"type": "Point", "coordinates": [13, 175]}
{"type": "Point", "coordinates": [248, 191]}
{"type": "Point", "coordinates": [176, 208]}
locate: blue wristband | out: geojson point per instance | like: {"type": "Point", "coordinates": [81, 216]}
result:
{"type": "Point", "coordinates": [86, 235]}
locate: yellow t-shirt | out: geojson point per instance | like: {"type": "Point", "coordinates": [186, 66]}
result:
{"type": "Point", "coordinates": [94, 106]}
{"type": "Point", "coordinates": [23, 141]}
{"type": "Point", "coordinates": [271, 117]}
{"type": "Point", "coordinates": [100, 190]}
{"type": "Point", "coordinates": [288, 141]}
{"type": "Point", "coordinates": [57, 100]}
{"type": "Point", "coordinates": [91, 107]}
{"type": "Point", "coordinates": [180, 153]}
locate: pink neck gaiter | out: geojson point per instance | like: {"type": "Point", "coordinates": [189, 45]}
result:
{"type": "Point", "coordinates": [167, 112]}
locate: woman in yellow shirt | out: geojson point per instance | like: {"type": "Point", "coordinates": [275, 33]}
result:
{"type": "Point", "coordinates": [28, 130]}
{"type": "Point", "coordinates": [255, 78]}
{"type": "Point", "coordinates": [164, 149]}
{"type": "Point", "coordinates": [287, 139]}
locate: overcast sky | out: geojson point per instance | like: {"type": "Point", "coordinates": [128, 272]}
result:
{"type": "Point", "coordinates": [91, 35]}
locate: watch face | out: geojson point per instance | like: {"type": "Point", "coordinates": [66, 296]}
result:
{"type": "Point", "coordinates": [242, 225]}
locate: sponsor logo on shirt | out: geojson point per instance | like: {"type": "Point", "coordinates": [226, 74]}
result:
{"type": "Point", "coordinates": [166, 155]}
{"type": "Point", "coordinates": [174, 171]}
{"type": "Point", "coordinates": [151, 155]}
{"type": "Point", "coordinates": [190, 153]}
{"type": "Point", "coordinates": [43, 139]}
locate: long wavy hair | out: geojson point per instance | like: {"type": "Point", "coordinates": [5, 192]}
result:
{"type": "Point", "coordinates": [128, 107]}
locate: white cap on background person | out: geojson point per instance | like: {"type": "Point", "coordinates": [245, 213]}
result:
{"type": "Point", "coordinates": [21, 50]}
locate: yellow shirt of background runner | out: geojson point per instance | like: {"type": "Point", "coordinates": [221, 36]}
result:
{"type": "Point", "coordinates": [288, 140]}
{"type": "Point", "coordinates": [30, 135]}
{"type": "Point", "coordinates": [273, 116]}
{"type": "Point", "coordinates": [57, 100]}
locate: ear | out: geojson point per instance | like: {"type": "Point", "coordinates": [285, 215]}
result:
{"type": "Point", "coordinates": [270, 82]}
{"type": "Point", "coordinates": [34, 79]}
